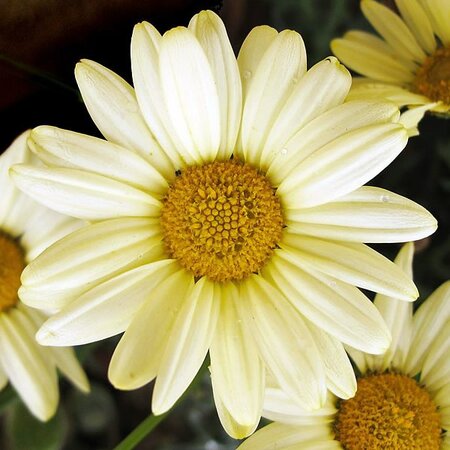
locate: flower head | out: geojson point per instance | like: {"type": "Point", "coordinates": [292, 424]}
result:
{"type": "Point", "coordinates": [228, 215]}
{"type": "Point", "coordinates": [26, 229]}
{"type": "Point", "coordinates": [402, 400]}
{"type": "Point", "coordinates": [410, 63]}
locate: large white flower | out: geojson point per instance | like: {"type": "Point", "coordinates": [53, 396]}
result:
{"type": "Point", "coordinates": [410, 63]}
{"type": "Point", "coordinates": [26, 229]}
{"type": "Point", "coordinates": [403, 396]}
{"type": "Point", "coordinates": [228, 215]}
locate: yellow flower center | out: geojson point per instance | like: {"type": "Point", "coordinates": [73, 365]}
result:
{"type": "Point", "coordinates": [389, 411]}
{"type": "Point", "coordinates": [11, 266]}
{"type": "Point", "coordinates": [433, 78]}
{"type": "Point", "coordinates": [221, 220]}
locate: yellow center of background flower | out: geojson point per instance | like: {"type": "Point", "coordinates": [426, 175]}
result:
{"type": "Point", "coordinates": [389, 411]}
{"type": "Point", "coordinates": [221, 220]}
{"type": "Point", "coordinates": [11, 266]}
{"type": "Point", "coordinates": [433, 78]}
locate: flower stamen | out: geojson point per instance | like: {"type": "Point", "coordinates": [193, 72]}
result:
{"type": "Point", "coordinates": [221, 220]}
{"type": "Point", "coordinates": [433, 78]}
{"type": "Point", "coordinates": [389, 410]}
{"type": "Point", "coordinates": [11, 266]}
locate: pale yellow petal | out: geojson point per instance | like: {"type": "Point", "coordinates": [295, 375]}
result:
{"type": "Point", "coordinates": [81, 194]}
{"type": "Point", "coordinates": [369, 61]}
{"type": "Point", "coordinates": [252, 51]}
{"type": "Point", "coordinates": [112, 104]}
{"type": "Point", "coordinates": [74, 265]}
{"type": "Point", "coordinates": [393, 29]}
{"type": "Point", "coordinates": [277, 74]}
{"type": "Point", "coordinates": [352, 263]}
{"type": "Point", "coordinates": [284, 342]}
{"type": "Point", "coordinates": [212, 35]}
{"type": "Point", "coordinates": [326, 128]}
{"type": "Point", "coordinates": [27, 366]}
{"type": "Point", "coordinates": [278, 436]}
{"type": "Point", "coordinates": [323, 87]}
{"type": "Point", "coordinates": [137, 357]}
{"type": "Point", "coordinates": [368, 214]}
{"type": "Point", "coordinates": [343, 165]}
{"type": "Point", "coordinates": [145, 43]}
{"type": "Point", "coordinates": [337, 308]}
{"type": "Point", "coordinates": [237, 372]}
{"type": "Point", "coordinates": [105, 310]}
{"type": "Point", "coordinates": [190, 94]}
{"type": "Point", "coordinates": [415, 17]}
{"type": "Point", "coordinates": [187, 345]}
{"type": "Point", "coordinates": [429, 321]}
{"type": "Point", "coordinates": [63, 148]}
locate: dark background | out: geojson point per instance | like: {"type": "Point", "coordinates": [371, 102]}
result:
{"type": "Point", "coordinates": [40, 42]}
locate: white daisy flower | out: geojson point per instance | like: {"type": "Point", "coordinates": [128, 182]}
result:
{"type": "Point", "coordinates": [26, 229]}
{"type": "Point", "coordinates": [409, 64]}
{"type": "Point", "coordinates": [228, 215]}
{"type": "Point", "coordinates": [403, 396]}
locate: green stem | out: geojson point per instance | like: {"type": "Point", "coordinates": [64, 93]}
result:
{"type": "Point", "coordinates": [39, 74]}
{"type": "Point", "coordinates": [141, 431]}
{"type": "Point", "coordinates": [152, 421]}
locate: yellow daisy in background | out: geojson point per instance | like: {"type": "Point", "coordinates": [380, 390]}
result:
{"type": "Point", "coordinates": [403, 396]}
{"type": "Point", "coordinates": [228, 215]}
{"type": "Point", "coordinates": [410, 63]}
{"type": "Point", "coordinates": [26, 229]}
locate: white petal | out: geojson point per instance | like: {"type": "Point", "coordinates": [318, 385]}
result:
{"type": "Point", "coordinates": [355, 264]}
{"type": "Point", "coordinates": [63, 148]}
{"type": "Point", "coordinates": [277, 74]}
{"type": "Point", "coordinates": [343, 165]}
{"type": "Point", "coordinates": [74, 265]}
{"type": "Point", "coordinates": [284, 342]}
{"type": "Point", "coordinates": [190, 94]}
{"type": "Point", "coordinates": [326, 128]}
{"type": "Point", "coordinates": [211, 33]}
{"type": "Point", "coordinates": [398, 317]}
{"type": "Point", "coordinates": [84, 195]}
{"type": "Point", "coordinates": [435, 371]}
{"type": "Point", "coordinates": [187, 345]}
{"type": "Point", "coordinates": [429, 322]}
{"type": "Point", "coordinates": [251, 53]}
{"type": "Point", "coordinates": [27, 366]}
{"type": "Point", "coordinates": [338, 308]}
{"type": "Point", "coordinates": [237, 372]}
{"type": "Point", "coordinates": [145, 44]}
{"type": "Point", "coordinates": [368, 214]}
{"type": "Point", "coordinates": [438, 12]}
{"type": "Point", "coordinates": [341, 380]}
{"type": "Point", "coordinates": [323, 87]}
{"type": "Point", "coordinates": [45, 228]}
{"type": "Point", "coordinates": [366, 89]}
{"type": "Point", "coordinates": [279, 407]}
{"type": "Point", "coordinates": [374, 42]}
{"type": "Point", "coordinates": [393, 29]}
{"type": "Point", "coordinates": [279, 436]}
{"type": "Point", "coordinates": [415, 17]}
{"type": "Point", "coordinates": [411, 118]}
{"type": "Point", "coordinates": [370, 61]}
{"type": "Point", "coordinates": [137, 357]}
{"type": "Point", "coordinates": [112, 104]}
{"type": "Point", "coordinates": [16, 153]}
{"type": "Point", "coordinates": [63, 358]}
{"type": "Point", "coordinates": [107, 309]}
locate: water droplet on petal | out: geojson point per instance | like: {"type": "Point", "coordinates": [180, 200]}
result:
{"type": "Point", "coordinates": [284, 151]}
{"type": "Point", "coordinates": [385, 198]}
{"type": "Point", "coordinates": [247, 74]}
